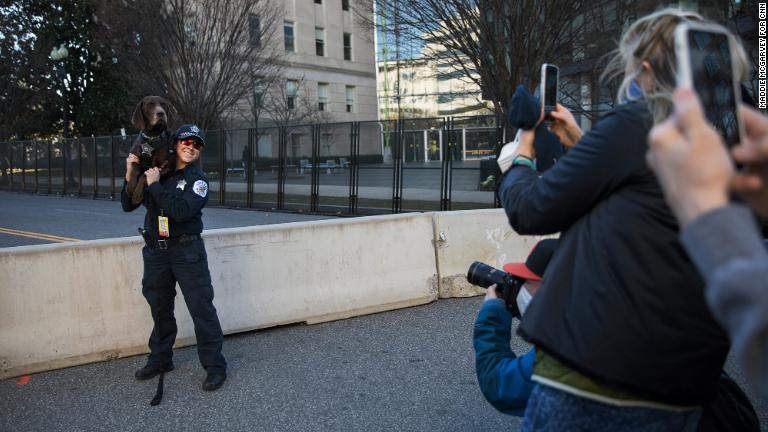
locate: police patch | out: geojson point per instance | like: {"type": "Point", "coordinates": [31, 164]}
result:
{"type": "Point", "coordinates": [201, 188]}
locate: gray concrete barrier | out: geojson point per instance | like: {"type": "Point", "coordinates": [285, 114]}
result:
{"type": "Point", "coordinates": [74, 303]}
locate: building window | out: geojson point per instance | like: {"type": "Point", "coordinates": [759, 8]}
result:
{"type": "Point", "coordinates": [347, 46]}
{"type": "Point", "coordinates": [259, 90]}
{"type": "Point", "coordinates": [254, 30]}
{"type": "Point", "coordinates": [319, 41]}
{"type": "Point", "coordinates": [322, 96]}
{"type": "Point", "coordinates": [291, 89]}
{"type": "Point", "coordinates": [288, 36]}
{"type": "Point", "coordinates": [318, 1]}
{"type": "Point", "coordinates": [345, 5]}
{"type": "Point", "coordinates": [350, 99]}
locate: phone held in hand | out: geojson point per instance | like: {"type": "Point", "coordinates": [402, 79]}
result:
{"type": "Point", "coordinates": [550, 75]}
{"type": "Point", "coordinates": [705, 64]}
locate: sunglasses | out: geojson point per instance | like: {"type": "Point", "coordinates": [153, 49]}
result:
{"type": "Point", "coordinates": [192, 142]}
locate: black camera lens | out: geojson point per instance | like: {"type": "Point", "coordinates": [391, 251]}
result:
{"type": "Point", "coordinates": [483, 275]}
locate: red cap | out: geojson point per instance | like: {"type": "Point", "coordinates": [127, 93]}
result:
{"type": "Point", "coordinates": [533, 267]}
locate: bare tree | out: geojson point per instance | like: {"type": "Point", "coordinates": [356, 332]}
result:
{"type": "Point", "coordinates": [288, 102]}
{"type": "Point", "coordinates": [202, 55]}
{"type": "Point", "coordinates": [498, 43]}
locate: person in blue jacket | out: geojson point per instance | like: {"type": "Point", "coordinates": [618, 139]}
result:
{"type": "Point", "coordinates": [504, 378]}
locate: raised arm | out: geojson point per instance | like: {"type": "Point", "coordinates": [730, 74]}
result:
{"type": "Point", "coordinates": [599, 163]}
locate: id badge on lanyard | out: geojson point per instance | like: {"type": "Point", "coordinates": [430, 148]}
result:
{"type": "Point", "coordinates": [163, 230]}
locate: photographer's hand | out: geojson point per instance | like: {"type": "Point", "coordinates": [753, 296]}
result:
{"type": "Point", "coordinates": [752, 183]}
{"type": "Point", "coordinates": [490, 293]}
{"type": "Point", "coordinates": [564, 126]}
{"type": "Point", "coordinates": [690, 160]}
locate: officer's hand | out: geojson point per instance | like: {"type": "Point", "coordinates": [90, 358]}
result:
{"type": "Point", "coordinates": [153, 175]}
{"type": "Point", "coordinates": [490, 293]}
{"type": "Point", "coordinates": [131, 159]}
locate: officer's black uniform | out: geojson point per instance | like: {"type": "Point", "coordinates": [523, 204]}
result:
{"type": "Point", "coordinates": [180, 196]}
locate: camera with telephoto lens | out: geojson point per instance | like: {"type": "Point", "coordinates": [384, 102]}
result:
{"type": "Point", "coordinates": [508, 285]}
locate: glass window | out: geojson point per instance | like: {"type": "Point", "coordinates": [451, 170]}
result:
{"type": "Point", "coordinates": [345, 5]}
{"type": "Point", "coordinates": [318, 1]}
{"type": "Point", "coordinates": [259, 89]}
{"type": "Point", "coordinates": [347, 46]}
{"type": "Point", "coordinates": [322, 96]}
{"type": "Point", "coordinates": [350, 92]}
{"type": "Point", "coordinates": [254, 30]}
{"type": "Point", "coordinates": [319, 41]}
{"type": "Point", "coordinates": [291, 88]}
{"type": "Point", "coordinates": [288, 36]}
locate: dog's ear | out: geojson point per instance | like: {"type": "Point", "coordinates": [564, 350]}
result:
{"type": "Point", "coordinates": [170, 112]}
{"type": "Point", "coordinates": [138, 120]}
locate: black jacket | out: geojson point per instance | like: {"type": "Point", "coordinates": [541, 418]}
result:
{"type": "Point", "coordinates": [180, 195]}
{"type": "Point", "coordinates": [620, 302]}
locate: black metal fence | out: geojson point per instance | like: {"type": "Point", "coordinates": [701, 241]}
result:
{"type": "Point", "coordinates": [350, 168]}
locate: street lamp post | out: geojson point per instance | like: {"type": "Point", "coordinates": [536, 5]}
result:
{"type": "Point", "coordinates": [59, 55]}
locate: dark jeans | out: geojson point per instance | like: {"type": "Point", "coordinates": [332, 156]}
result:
{"type": "Point", "coordinates": [553, 410]}
{"type": "Point", "coordinates": [187, 265]}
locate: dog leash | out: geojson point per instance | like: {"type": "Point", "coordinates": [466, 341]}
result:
{"type": "Point", "coordinates": [159, 393]}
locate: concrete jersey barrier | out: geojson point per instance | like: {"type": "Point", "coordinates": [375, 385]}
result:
{"type": "Point", "coordinates": [73, 303]}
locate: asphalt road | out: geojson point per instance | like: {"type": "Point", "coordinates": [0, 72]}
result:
{"type": "Point", "coordinates": [32, 219]}
{"type": "Point", "coordinates": [406, 370]}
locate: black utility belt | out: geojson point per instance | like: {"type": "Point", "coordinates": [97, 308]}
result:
{"type": "Point", "coordinates": [182, 240]}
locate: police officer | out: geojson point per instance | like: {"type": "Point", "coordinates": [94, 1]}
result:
{"type": "Point", "coordinates": [175, 252]}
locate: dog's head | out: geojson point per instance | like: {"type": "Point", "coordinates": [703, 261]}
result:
{"type": "Point", "coordinates": [152, 114]}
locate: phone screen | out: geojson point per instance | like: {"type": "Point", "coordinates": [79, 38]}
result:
{"type": "Point", "coordinates": [550, 87]}
{"type": "Point", "coordinates": [712, 75]}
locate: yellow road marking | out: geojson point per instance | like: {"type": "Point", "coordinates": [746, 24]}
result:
{"type": "Point", "coordinates": [35, 235]}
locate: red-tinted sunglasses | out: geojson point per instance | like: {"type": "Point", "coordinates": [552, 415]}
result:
{"type": "Point", "coordinates": [192, 142]}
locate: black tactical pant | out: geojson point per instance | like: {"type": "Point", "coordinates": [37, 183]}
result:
{"type": "Point", "coordinates": [188, 265]}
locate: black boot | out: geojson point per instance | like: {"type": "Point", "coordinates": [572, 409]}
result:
{"type": "Point", "coordinates": [151, 370]}
{"type": "Point", "coordinates": [214, 381]}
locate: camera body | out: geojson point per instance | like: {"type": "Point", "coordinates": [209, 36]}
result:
{"type": "Point", "coordinates": [483, 275]}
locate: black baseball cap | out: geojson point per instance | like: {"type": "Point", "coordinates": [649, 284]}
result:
{"type": "Point", "coordinates": [534, 266]}
{"type": "Point", "coordinates": [189, 131]}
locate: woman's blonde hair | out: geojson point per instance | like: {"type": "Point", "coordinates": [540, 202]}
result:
{"type": "Point", "coordinates": [652, 39]}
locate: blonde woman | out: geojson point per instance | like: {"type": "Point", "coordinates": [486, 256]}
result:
{"type": "Point", "coordinates": [624, 338]}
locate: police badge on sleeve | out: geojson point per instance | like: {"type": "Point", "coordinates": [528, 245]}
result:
{"type": "Point", "coordinates": [201, 188]}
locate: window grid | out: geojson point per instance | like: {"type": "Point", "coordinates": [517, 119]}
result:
{"type": "Point", "coordinates": [254, 30]}
{"type": "Point", "coordinates": [291, 88]}
{"type": "Point", "coordinates": [319, 42]}
{"type": "Point", "coordinates": [288, 36]}
{"type": "Point", "coordinates": [350, 96]}
{"type": "Point", "coordinates": [347, 46]}
{"type": "Point", "coordinates": [322, 96]}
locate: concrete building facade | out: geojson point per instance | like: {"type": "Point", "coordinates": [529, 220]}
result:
{"type": "Point", "coordinates": [328, 77]}
{"type": "Point", "coordinates": [326, 58]}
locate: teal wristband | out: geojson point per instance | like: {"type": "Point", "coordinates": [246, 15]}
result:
{"type": "Point", "coordinates": [522, 160]}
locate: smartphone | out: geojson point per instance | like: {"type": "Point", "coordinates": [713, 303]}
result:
{"type": "Point", "coordinates": [705, 64]}
{"type": "Point", "coordinates": [550, 75]}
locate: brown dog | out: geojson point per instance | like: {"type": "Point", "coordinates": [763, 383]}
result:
{"type": "Point", "coordinates": [153, 146]}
